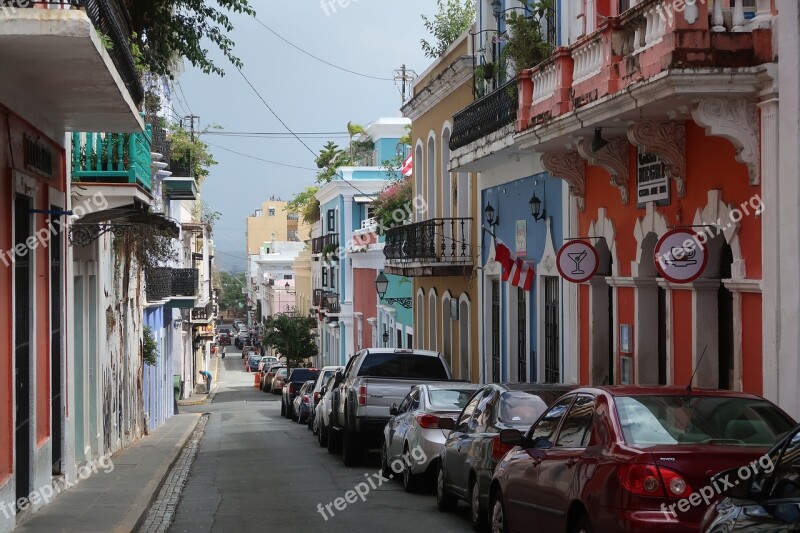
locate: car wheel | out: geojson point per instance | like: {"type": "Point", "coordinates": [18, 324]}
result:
{"type": "Point", "coordinates": [385, 470]}
{"type": "Point", "coordinates": [352, 449]}
{"type": "Point", "coordinates": [582, 525]}
{"type": "Point", "coordinates": [334, 441]}
{"type": "Point", "coordinates": [499, 523]}
{"type": "Point", "coordinates": [290, 411]}
{"type": "Point", "coordinates": [477, 516]}
{"type": "Point", "coordinates": [445, 501]}
{"type": "Point", "coordinates": [322, 435]}
{"type": "Point", "coordinates": [410, 480]}
{"type": "Point", "coordinates": [310, 424]}
{"type": "Point", "coordinates": [283, 409]}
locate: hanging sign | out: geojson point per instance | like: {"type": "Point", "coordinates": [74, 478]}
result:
{"type": "Point", "coordinates": [680, 257]}
{"type": "Point", "coordinates": [577, 261]}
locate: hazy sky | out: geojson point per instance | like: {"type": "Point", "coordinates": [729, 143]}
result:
{"type": "Point", "coordinates": [372, 37]}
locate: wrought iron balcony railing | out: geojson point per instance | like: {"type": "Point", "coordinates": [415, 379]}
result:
{"type": "Point", "coordinates": [113, 157]}
{"type": "Point", "coordinates": [317, 244]}
{"type": "Point", "coordinates": [438, 240]}
{"type": "Point", "coordinates": [159, 284]}
{"type": "Point", "coordinates": [330, 240]}
{"type": "Point", "coordinates": [485, 115]}
{"type": "Point", "coordinates": [316, 299]}
{"type": "Point", "coordinates": [185, 281]}
{"type": "Point", "coordinates": [159, 143]}
{"type": "Point", "coordinates": [330, 302]}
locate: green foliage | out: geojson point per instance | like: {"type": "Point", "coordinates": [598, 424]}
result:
{"type": "Point", "coordinates": [391, 207]}
{"type": "Point", "coordinates": [194, 155]}
{"type": "Point", "coordinates": [330, 158]}
{"type": "Point", "coordinates": [527, 45]}
{"type": "Point", "coordinates": [106, 41]}
{"type": "Point", "coordinates": [452, 19]}
{"type": "Point", "coordinates": [231, 297]}
{"type": "Point", "coordinates": [292, 337]}
{"type": "Point", "coordinates": [149, 347]}
{"type": "Point", "coordinates": [305, 204]}
{"type": "Point", "coordinates": [167, 30]}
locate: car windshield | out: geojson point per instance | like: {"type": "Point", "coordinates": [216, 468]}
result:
{"type": "Point", "coordinates": [282, 372]}
{"type": "Point", "coordinates": [520, 408]}
{"type": "Point", "coordinates": [655, 420]}
{"type": "Point", "coordinates": [255, 358]}
{"type": "Point", "coordinates": [402, 365]}
{"type": "Point", "coordinates": [449, 399]}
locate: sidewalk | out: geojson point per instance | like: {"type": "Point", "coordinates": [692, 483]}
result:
{"type": "Point", "coordinates": [200, 399]}
{"type": "Point", "coordinates": [117, 501]}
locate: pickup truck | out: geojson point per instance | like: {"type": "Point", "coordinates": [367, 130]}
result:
{"type": "Point", "coordinates": [371, 382]}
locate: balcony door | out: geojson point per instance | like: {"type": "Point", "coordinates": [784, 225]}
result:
{"type": "Point", "coordinates": [552, 312]}
{"type": "Point", "coordinates": [23, 343]}
{"type": "Point", "coordinates": [495, 324]}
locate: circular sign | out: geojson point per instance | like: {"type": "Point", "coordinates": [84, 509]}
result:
{"type": "Point", "coordinates": [577, 261]}
{"type": "Point", "coordinates": [680, 257]}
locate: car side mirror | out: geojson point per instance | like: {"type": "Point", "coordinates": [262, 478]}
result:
{"type": "Point", "coordinates": [732, 486]}
{"type": "Point", "coordinates": [512, 437]}
{"type": "Point", "coordinates": [446, 423]}
{"type": "Point", "coordinates": [541, 443]}
{"type": "Point", "coordinates": [393, 409]}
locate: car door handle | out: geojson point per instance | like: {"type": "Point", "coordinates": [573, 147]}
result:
{"type": "Point", "coordinates": [572, 462]}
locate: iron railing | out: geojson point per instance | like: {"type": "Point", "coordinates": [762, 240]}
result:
{"type": "Point", "coordinates": [113, 157]}
{"type": "Point", "coordinates": [159, 142]}
{"type": "Point", "coordinates": [180, 168]}
{"type": "Point", "coordinates": [316, 299]}
{"type": "Point", "coordinates": [110, 18]}
{"type": "Point", "coordinates": [159, 284]}
{"type": "Point", "coordinates": [485, 115]}
{"type": "Point", "coordinates": [185, 281]}
{"type": "Point", "coordinates": [316, 245]}
{"type": "Point", "coordinates": [438, 240]}
{"type": "Point", "coordinates": [330, 302]}
{"type": "Point", "coordinates": [331, 240]}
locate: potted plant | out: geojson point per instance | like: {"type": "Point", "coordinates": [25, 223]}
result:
{"type": "Point", "coordinates": [527, 45]}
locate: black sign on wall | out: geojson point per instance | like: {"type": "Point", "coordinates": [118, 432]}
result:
{"type": "Point", "coordinates": [652, 183]}
{"type": "Point", "coordinates": [38, 157]}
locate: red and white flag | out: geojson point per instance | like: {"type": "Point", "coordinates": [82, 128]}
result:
{"type": "Point", "coordinates": [515, 270]}
{"type": "Point", "coordinates": [408, 166]}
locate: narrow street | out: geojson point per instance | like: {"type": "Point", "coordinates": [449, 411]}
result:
{"type": "Point", "coordinates": [255, 469]}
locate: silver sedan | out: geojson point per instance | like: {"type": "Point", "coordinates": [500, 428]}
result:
{"type": "Point", "coordinates": [412, 439]}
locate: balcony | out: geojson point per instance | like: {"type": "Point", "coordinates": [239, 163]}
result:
{"type": "Point", "coordinates": [316, 245]}
{"type": "Point", "coordinates": [643, 57]}
{"type": "Point", "coordinates": [316, 299]}
{"type": "Point", "coordinates": [330, 303]}
{"type": "Point", "coordinates": [113, 158]}
{"type": "Point", "coordinates": [435, 247]}
{"type": "Point", "coordinates": [485, 115]}
{"type": "Point", "coordinates": [172, 287]}
{"type": "Point", "coordinates": [61, 71]}
{"type": "Point", "coordinates": [202, 314]}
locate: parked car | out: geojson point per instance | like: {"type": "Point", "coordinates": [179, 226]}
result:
{"type": "Point", "coordinates": [278, 383]}
{"type": "Point", "coordinates": [623, 458]}
{"type": "Point", "coordinates": [324, 373]}
{"type": "Point", "coordinates": [266, 362]}
{"type": "Point", "coordinates": [296, 378]}
{"type": "Point", "coordinates": [301, 409]}
{"type": "Point", "coordinates": [252, 361]}
{"type": "Point", "coordinates": [414, 425]}
{"type": "Point", "coordinates": [373, 380]}
{"type": "Point", "coordinates": [324, 408]}
{"type": "Point", "coordinates": [247, 350]}
{"type": "Point", "coordinates": [769, 500]}
{"type": "Point", "coordinates": [473, 448]}
{"type": "Point", "coordinates": [224, 338]}
{"type": "Point", "coordinates": [268, 376]}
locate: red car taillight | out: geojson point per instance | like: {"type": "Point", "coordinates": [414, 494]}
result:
{"type": "Point", "coordinates": [291, 388]}
{"type": "Point", "coordinates": [305, 398]}
{"type": "Point", "coordinates": [427, 421]}
{"type": "Point", "coordinates": [362, 395]}
{"type": "Point", "coordinates": [316, 397]}
{"type": "Point", "coordinates": [499, 449]}
{"type": "Point", "coordinates": [652, 480]}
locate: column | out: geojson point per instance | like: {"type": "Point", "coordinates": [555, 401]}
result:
{"type": "Point", "coordinates": [705, 333]}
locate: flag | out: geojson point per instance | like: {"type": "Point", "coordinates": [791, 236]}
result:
{"type": "Point", "coordinates": [515, 270]}
{"type": "Point", "coordinates": [408, 167]}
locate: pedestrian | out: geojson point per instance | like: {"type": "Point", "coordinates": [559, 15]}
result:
{"type": "Point", "coordinates": [207, 375]}
{"type": "Point", "coordinates": [223, 352]}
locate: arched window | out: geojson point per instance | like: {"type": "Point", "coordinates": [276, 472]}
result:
{"type": "Point", "coordinates": [447, 330]}
{"type": "Point", "coordinates": [419, 189]}
{"type": "Point", "coordinates": [430, 197]}
{"type": "Point", "coordinates": [432, 333]}
{"type": "Point", "coordinates": [464, 338]}
{"type": "Point", "coordinates": [420, 326]}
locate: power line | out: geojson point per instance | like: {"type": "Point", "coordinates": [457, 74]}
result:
{"type": "Point", "coordinates": [185, 100]}
{"type": "Point", "coordinates": [261, 159]}
{"type": "Point", "coordinates": [275, 114]}
{"type": "Point", "coordinates": [275, 135]}
{"type": "Point", "coordinates": [320, 59]}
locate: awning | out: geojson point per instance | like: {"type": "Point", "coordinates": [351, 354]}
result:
{"type": "Point", "coordinates": [363, 199]}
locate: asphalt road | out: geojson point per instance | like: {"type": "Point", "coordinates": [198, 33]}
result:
{"type": "Point", "coordinates": [256, 470]}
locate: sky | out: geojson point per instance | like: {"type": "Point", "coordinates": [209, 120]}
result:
{"type": "Point", "coordinates": [371, 37]}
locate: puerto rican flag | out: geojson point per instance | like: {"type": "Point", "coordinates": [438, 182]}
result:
{"type": "Point", "coordinates": [515, 270]}
{"type": "Point", "coordinates": [408, 166]}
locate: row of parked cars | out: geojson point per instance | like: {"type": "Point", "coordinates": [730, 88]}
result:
{"type": "Point", "coordinates": [562, 457]}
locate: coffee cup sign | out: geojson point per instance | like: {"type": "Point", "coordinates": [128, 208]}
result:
{"type": "Point", "coordinates": [680, 257]}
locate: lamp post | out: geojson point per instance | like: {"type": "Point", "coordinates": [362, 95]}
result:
{"type": "Point", "coordinates": [382, 285]}
{"type": "Point", "coordinates": [385, 337]}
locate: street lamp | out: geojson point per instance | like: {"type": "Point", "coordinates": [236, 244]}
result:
{"type": "Point", "coordinates": [385, 337]}
{"type": "Point", "coordinates": [382, 285]}
{"type": "Point", "coordinates": [488, 212]}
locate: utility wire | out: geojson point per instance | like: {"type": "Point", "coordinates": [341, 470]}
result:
{"type": "Point", "coordinates": [260, 159]}
{"type": "Point", "coordinates": [320, 59]}
{"type": "Point", "coordinates": [185, 100]}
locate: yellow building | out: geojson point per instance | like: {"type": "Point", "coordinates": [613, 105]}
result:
{"type": "Point", "coordinates": [273, 223]}
{"type": "Point", "coordinates": [445, 284]}
{"type": "Point", "coordinates": [302, 282]}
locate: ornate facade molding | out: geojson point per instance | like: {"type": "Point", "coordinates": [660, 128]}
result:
{"type": "Point", "coordinates": [614, 157]}
{"type": "Point", "coordinates": [735, 119]}
{"type": "Point", "coordinates": [569, 166]}
{"type": "Point", "coordinates": [667, 140]}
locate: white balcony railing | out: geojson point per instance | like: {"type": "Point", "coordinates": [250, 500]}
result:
{"type": "Point", "coordinates": [545, 82]}
{"type": "Point", "coordinates": [588, 60]}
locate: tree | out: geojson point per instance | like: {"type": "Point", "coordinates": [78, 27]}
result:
{"type": "Point", "coordinates": [164, 31]}
{"type": "Point", "coordinates": [292, 337]}
{"type": "Point", "coordinates": [452, 19]}
{"type": "Point", "coordinates": [305, 204]}
{"type": "Point", "coordinates": [330, 158]}
{"type": "Point", "coordinates": [231, 297]}
{"type": "Point", "coordinates": [190, 154]}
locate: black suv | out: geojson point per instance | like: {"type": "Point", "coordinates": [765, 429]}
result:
{"type": "Point", "coordinates": [295, 380]}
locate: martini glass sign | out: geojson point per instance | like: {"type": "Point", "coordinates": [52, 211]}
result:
{"type": "Point", "coordinates": [577, 261]}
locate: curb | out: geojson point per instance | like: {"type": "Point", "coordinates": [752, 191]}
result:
{"type": "Point", "coordinates": [137, 513]}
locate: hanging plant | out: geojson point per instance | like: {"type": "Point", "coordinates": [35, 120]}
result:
{"type": "Point", "coordinates": [392, 207]}
{"type": "Point", "coordinates": [149, 347]}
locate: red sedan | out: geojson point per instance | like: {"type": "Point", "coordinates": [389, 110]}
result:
{"type": "Point", "coordinates": [630, 459]}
